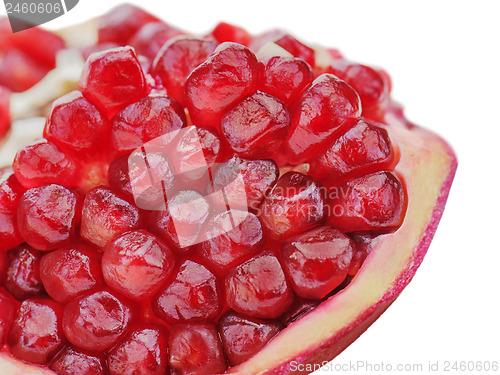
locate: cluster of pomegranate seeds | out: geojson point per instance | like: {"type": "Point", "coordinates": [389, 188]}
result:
{"type": "Point", "coordinates": [264, 183]}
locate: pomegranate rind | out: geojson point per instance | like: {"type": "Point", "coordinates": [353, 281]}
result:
{"type": "Point", "coordinates": [428, 166]}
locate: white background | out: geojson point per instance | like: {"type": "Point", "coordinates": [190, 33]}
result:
{"type": "Point", "coordinates": [444, 61]}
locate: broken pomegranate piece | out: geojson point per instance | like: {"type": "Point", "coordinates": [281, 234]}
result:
{"type": "Point", "coordinates": [205, 205]}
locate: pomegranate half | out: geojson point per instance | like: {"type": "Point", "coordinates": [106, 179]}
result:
{"type": "Point", "coordinates": [100, 274]}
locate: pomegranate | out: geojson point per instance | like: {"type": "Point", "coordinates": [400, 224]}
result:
{"type": "Point", "coordinates": [205, 205]}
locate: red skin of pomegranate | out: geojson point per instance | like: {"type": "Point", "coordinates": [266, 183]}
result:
{"type": "Point", "coordinates": [258, 287]}
{"type": "Point", "coordinates": [36, 333]}
{"type": "Point", "coordinates": [317, 261]}
{"type": "Point", "coordinates": [121, 23]}
{"type": "Point", "coordinates": [47, 216]}
{"type": "Point", "coordinates": [105, 215]}
{"type": "Point", "coordinates": [374, 202]}
{"type": "Point", "coordinates": [322, 112]}
{"type": "Point", "coordinates": [225, 32]}
{"type": "Point", "coordinates": [195, 349]}
{"type": "Point", "coordinates": [228, 75]}
{"type": "Point", "coordinates": [284, 77]}
{"type": "Point", "coordinates": [226, 250]}
{"type": "Point", "coordinates": [96, 321]}
{"type": "Point", "coordinates": [71, 271]}
{"type": "Point", "coordinates": [243, 337]}
{"type": "Point", "coordinates": [10, 193]}
{"type": "Point", "coordinates": [194, 294]}
{"type": "Point", "coordinates": [177, 59]}
{"type": "Point", "coordinates": [77, 126]}
{"type": "Point", "coordinates": [70, 361]}
{"type": "Point", "coordinates": [295, 204]}
{"type": "Point", "coordinates": [22, 277]}
{"type": "Point", "coordinates": [143, 121]}
{"type": "Point", "coordinates": [143, 351]}
{"type": "Point", "coordinates": [98, 82]}
{"type": "Point", "coordinates": [42, 163]}
{"type": "Point", "coordinates": [256, 126]}
{"type": "Point", "coordinates": [136, 264]}
{"type": "Point", "coordinates": [363, 149]}
{"type": "Point", "coordinates": [7, 312]}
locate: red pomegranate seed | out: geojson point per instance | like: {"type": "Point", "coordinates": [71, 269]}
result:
{"type": "Point", "coordinates": [97, 321]}
{"type": "Point", "coordinates": [296, 48]}
{"type": "Point", "coordinates": [371, 86]}
{"type": "Point", "coordinates": [299, 309]}
{"type": "Point", "coordinates": [191, 164]}
{"type": "Point", "coordinates": [227, 249]}
{"type": "Point", "coordinates": [47, 216]}
{"type": "Point", "coordinates": [10, 194]}
{"type": "Point", "coordinates": [284, 77]}
{"type": "Point", "coordinates": [322, 111]}
{"type": "Point", "coordinates": [294, 205]}
{"type": "Point", "coordinates": [22, 277]}
{"type": "Point", "coordinates": [36, 333]}
{"type": "Point", "coordinates": [151, 37]}
{"type": "Point", "coordinates": [70, 361]}
{"type": "Point", "coordinates": [364, 243]}
{"type": "Point", "coordinates": [195, 349]}
{"type": "Point", "coordinates": [256, 126]}
{"type": "Point", "coordinates": [77, 126]}
{"type": "Point", "coordinates": [71, 271]}
{"type": "Point", "coordinates": [258, 287]}
{"type": "Point", "coordinates": [121, 23]}
{"type": "Point", "coordinates": [182, 225]}
{"type": "Point", "coordinates": [136, 264]}
{"type": "Point", "coordinates": [374, 202]}
{"type": "Point", "coordinates": [243, 337]}
{"type": "Point", "coordinates": [42, 163]}
{"type": "Point", "coordinates": [177, 59]}
{"type": "Point", "coordinates": [143, 121]}
{"type": "Point", "coordinates": [7, 313]}
{"type": "Point", "coordinates": [3, 265]}
{"type": "Point", "coordinates": [194, 294]}
{"type": "Point", "coordinates": [4, 111]}
{"type": "Point", "coordinates": [18, 71]}
{"type": "Point", "coordinates": [258, 177]}
{"type": "Point", "coordinates": [225, 32]}
{"type": "Point", "coordinates": [41, 45]}
{"type": "Point", "coordinates": [156, 178]}
{"type": "Point", "coordinates": [316, 262]}
{"type": "Point", "coordinates": [364, 148]}
{"type": "Point", "coordinates": [105, 215]}
{"type": "Point", "coordinates": [161, 224]}
{"type": "Point", "coordinates": [228, 75]}
{"type": "Point", "coordinates": [113, 79]}
{"type": "Point", "coordinates": [143, 351]}
{"type": "Point", "coordinates": [89, 50]}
